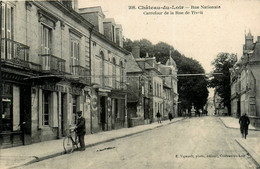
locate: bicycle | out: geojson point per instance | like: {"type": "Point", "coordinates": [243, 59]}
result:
{"type": "Point", "coordinates": [69, 144]}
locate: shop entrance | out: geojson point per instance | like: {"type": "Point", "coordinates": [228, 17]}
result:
{"type": "Point", "coordinates": [103, 112]}
{"type": "Point", "coordinates": [63, 117]}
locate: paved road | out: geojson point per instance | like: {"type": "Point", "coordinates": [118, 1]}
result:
{"type": "Point", "coordinates": [197, 143]}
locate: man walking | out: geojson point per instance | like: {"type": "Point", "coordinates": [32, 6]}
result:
{"type": "Point", "coordinates": [81, 130]}
{"type": "Point", "coordinates": [244, 122]}
{"type": "Point", "coordinates": [170, 116]}
{"type": "Point", "coordinates": [158, 115]}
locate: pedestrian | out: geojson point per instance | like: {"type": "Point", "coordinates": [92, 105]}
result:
{"type": "Point", "coordinates": [81, 130]}
{"type": "Point", "coordinates": [158, 115]}
{"type": "Point", "coordinates": [244, 122]}
{"type": "Point", "coordinates": [170, 116]}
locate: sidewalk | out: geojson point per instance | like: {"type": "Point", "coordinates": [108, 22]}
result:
{"type": "Point", "coordinates": [22, 155]}
{"type": "Point", "coordinates": [250, 145]}
{"type": "Point", "coordinates": [232, 122]}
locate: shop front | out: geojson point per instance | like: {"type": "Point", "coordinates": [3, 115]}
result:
{"type": "Point", "coordinates": [118, 102]}
{"type": "Point", "coordinates": [16, 101]}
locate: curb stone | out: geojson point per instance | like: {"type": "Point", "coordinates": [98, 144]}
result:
{"type": "Point", "coordinates": [243, 147]}
{"type": "Point", "coordinates": [38, 159]}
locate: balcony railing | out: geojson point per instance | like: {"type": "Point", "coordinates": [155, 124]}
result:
{"type": "Point", "coordinates": [52, 63]}
{"type": "Point", "coordinates": [17, 53]}
{"type": "Point", "coordinates": [14, 50]}
{"type": "Point", "coordinates": [120, 85]}
{"type": "Point", "coordinates": [82, 72]}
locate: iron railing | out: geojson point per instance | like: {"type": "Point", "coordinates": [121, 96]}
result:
{"type": "Point", "coordinates": [17, 53]}
{"type": "Point", "coordinates": [52, 63]}
{"type": "Point", "coordinates": [82, 72]}
{"type": "Point", "coordinates": [120, 85]}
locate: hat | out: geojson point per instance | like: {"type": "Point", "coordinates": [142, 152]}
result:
{"type": "Point", "coordinates": [79, 112]}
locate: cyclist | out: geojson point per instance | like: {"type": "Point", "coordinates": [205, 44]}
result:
{"type": "Point", "coordinates": [81, 130]}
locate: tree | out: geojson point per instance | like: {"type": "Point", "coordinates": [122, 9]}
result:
{"type": "Point", "coordinates": [221, 82]}
{"type": "Point", "coordinates": [190, 89]}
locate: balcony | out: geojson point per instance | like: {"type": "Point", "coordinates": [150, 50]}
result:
{"type": "Point", "coordinates": [52, 64]}
{"type": "Point", "coordinates": [82, 73]}
{"type": "Point", "coordinates": [16, 53]}
{"type": "Point", "coordinates": [119, 85]}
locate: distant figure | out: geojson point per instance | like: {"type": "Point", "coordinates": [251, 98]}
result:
{"type": "Point", "coordinates": [244, 122]}
{"type": "Point", "coordinates": [170, 116]}
{"type": "Point", "coordinates": [158, 115]}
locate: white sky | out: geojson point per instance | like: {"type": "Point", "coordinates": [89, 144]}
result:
{"type": "Point", "coordinates": [201, 37]}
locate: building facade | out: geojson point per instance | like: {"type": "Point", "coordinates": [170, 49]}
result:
{"type": "Point", "coordinates": [245, 91]}
{"type": "Point", "coordinates": [152, 88]}
{"type": "Point", "coordinates": [108, 73]}
{"type": "Point", "coordinates": [49, 52]}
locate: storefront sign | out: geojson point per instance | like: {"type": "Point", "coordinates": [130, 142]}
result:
{"type": "Point", "coordinates": [53, 87]}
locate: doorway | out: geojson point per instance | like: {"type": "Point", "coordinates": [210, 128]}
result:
{"type": "Point", "coordinates": [103, 112]}
{"type": "Point", "coordinates": [63, 117]}
{"type": "Point", "coordinates": [238, 108]}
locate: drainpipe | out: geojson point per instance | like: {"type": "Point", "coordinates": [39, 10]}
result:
{"type": "Point", "coordinates": [90, 73]}
{"type": "Point", "coordinates": [126, 118]}
{"type": "Point", "coordinates": [1, 81]}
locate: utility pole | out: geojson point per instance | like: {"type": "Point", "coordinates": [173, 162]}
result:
{"type": "Point", "coordinates": [1, 80]}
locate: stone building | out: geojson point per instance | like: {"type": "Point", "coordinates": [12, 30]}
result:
{"type": "Point", "coordinates": [245, 78]}
{"type": "Point", "coordinates": [152, 88]}
{"type": "Point", "coordinates": [138, 90]}
{"type": "Point", "coordinates": [107, 70]}
{"type": "Point", "coordinates": [170, 96]}
{"type": "Point", "coordinates": [49, 51]}
{"type": "Point", "coordinates": [45, 67]}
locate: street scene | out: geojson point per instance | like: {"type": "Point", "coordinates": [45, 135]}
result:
{"type": "Point", "coordinates": [132, 84]}
{"type": "Point", "coordinates": [212, 146]}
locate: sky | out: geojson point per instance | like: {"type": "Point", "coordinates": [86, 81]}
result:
{"type": "Point", "coordinates": [200, 36]}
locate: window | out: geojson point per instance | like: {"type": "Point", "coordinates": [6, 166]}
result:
{"type": "Point", "coordinates": [102, 67]}
{"type": "Point", "coordinates": [46, 46]}
{"type": "Point", "coordinates": [121, 72]}
{"type": "Point", "coordinates": [46, 108]}
{"type": "Point", "coordinates": [7, 29]}
{"type": "Point", "coordinates": [74, 109]}
{"type": "Point", "coordinates": [46, 39]}
{"type": "Point", "coordinates": [114, 72]}
{"type": "Point", "coordinates": [154, 88]}
{"type": "Point", "coordinates": [74, 55]}
{"type": "Point", "coordinates": [113, 33]}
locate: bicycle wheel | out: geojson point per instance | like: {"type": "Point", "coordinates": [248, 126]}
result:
{"type": "Point", "coordinates": [68, 144]}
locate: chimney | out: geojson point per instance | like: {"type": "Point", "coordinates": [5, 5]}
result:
{"type": "Point", "coordinates": [119, 35]}
{"type": "Point", "coordinates": [147, 55]}
{"type": "Point", "coordinates": [110, 29]}
{"type": "Point", "coordinates": [75, 5]}
{"type": "Point", "coordinates": [136, 51]}
{"type": "Point", "coordinates": [95, 16]}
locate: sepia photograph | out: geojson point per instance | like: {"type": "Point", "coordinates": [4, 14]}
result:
{"type": "Point", "coordinates": [130, 84]}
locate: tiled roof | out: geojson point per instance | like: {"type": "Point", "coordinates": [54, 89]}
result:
{"type": "Point", "coordinates": [131, 65]}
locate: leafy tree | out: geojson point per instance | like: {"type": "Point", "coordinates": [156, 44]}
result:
{"type": "Point", "coordinates": [221, 82]}
{"type": "Point", "coordinates": [192, 89]}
